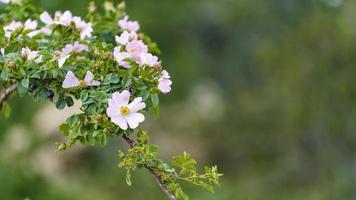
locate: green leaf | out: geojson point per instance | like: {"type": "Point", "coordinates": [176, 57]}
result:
{"type": "Point", "coordinates": [36, 75]}
{"type": "Point", "coordinates": [156, 112]}
{"type": "Point", "coordinates": [111, 79]}
{"type": "Point", "coordinates": [104, 140]}
{"type": "Point", "coordinates": [89, 101]}
{"type": "Point", "coordinates": [132, 69]}
{"type": "Point", "coordinates": [73, 120]}
{"type": "Point", "coordinates": [128, 178]}
{"type": "Point", "coordinates": [91, 140]}
{"type": "Point", "coordinates": [21, 90]}
{"type": "Point", "coordinates": [41, 94]}
{"type": "Point", "coordinates": [64, 128]}
{"type": "Point", "coordinates": [22, 71]}
{"type": "Point", "coordinates": [141, 86]}
{"type": "Point", "coordinates": [155, 100]}
{"type": "Point", "coordinates": [90, 109]}
{"type": "Point", "coordinates": [74, 134]}
{"type": "Point", "coordinates": [126, 81]}
{"type": "Point", "coordinates": [61, 103]}
{"type": "Point", "coordinates": [4, 75]}
{"type": "Point", "coordinates": [172, 187]}
{"type": "Point", "coordinates": [145, 94]}
{"type": "Point", "coordinates": [54, 73]}
{"type": "Point", "coordinates": [69, 101]}
{"type": "Point", "coordinates": [6, 110]}
{"type": "Point", "coordinates": [84, 95]}
{"type": "Point", "coordinates": [11, 56]}
{"type": "Point", "coordinates": [25, 82]}
{"type": "Point", "coordinates": [97, 133]}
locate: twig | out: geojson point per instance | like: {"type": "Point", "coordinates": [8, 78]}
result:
{"type": "Point", "coordinates": [163, 187]}
{"type": "Point", "coordinates": [4, 96]}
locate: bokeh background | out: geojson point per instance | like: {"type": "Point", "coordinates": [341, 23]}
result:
{"type": "Point", "coordinates": [264, 89]}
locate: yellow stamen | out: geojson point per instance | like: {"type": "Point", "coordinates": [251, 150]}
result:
{"type": "Point", "coordinates": [82, 83]}
{"type": "Point", "coordinates": [124, 110]}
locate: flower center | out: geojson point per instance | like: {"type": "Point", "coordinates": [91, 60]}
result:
{"type": "Point", "coordinates": [124, 110]}
{"type": "Point", "coordinates": [82, 83]}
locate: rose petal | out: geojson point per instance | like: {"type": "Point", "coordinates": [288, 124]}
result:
{"type": "Point", "coordinates": [46, 18]}
{"type": "Point", "coordinates": [121, 98]}
{"type": "Point", "coordinates": [133, 119]}
{"type": "Point", "coordinates": [89, 77]}
{"type": "Point", "coordinates": [137, 105]}
{"type": "Point", "coordinates": [70, 80]}
{"type": "Point", "coordinates": [120, 121]}
{"type": "Point", "coordinates": [113, 109]}
{"type": "Point", "coordinates": [62, 60]}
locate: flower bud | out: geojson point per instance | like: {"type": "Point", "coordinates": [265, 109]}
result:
{"type": "Point", "coordinates": [62, 147]}
{"type": "Point", "coordinates": [99, 117]}
{"type": "Point", "coordinates": [109, 6]}
{"type": "Point", "coordinates": [121, 6]}
{"type": "Point", "coordinates": [10, 64]}
{"type": "Point", "coordinates": [92, 7]}
{"type": "Point", "coordinates": [141, 36]}
{"type": "Point", "coordinates": [107, 55]}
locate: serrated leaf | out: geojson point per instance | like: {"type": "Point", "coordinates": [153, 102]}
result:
{"type": "Point", "coordinates": [126, 81]}
{"type": "Point", "coordinates": [72, 121]}
{"type": "Point", "coordinates": [36, 75]}
{"type": "Point", "coordinates": [21, 90]}
{"type": "Point", "coordinates": [64, 128]}
{"type": "Point", "coordinates": [97, 133]}
{"type": "Point", "coordinates": [111, 79]}
{"type": "Point", "coordinates": [4, 75]}
{"type": "Point", "coordinates": [61, 103]}
{"type": "Point", "coordinates": [141, 86]}
{"type": "Point", "coordinates": [84, 95]}
{"type": "Point", "coordinates": [25, 82]}
{"type": "Point", "coordinates": [41, 94]}
{"type": "Point", "coordinates": [91, 140]}
{"type": "Point", "coordinates": [145, 94]}
{"type": "Point", "coordinates": [11, 56]}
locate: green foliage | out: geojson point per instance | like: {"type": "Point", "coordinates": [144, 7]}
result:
{"type": "Point", "coordinates": [183, 167]}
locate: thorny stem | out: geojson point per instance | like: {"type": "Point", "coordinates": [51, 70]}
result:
{"type": "Point", "coordinates": [4, 96]}
{"type": "Point", "coordinates": [163, 187]}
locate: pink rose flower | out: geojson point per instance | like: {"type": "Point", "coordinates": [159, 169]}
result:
{"type": "Point", "coordinates": [71, 80]}
{"type": "Point", "coordinates": [131, 26]}
{"type": "Point", "coordinates": [123, 113]}
{"type": "Point", "coordinates": [136, 48]}
{"type": "Point", "coordinates": [164, 82]}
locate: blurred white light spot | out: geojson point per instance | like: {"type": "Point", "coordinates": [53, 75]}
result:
{"type": "Point", "coordinates": [205, 101]}
{"type": "Point", "coordinates": [48, 119]}
{"type": "Point", "coordinates": [16, 140]}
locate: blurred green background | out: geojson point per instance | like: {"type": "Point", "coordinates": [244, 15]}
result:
{"type": "Point", "coordinates": [264, 89]}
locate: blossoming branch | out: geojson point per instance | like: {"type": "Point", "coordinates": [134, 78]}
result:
{"type": "Point", "coordinates": [108, 64]}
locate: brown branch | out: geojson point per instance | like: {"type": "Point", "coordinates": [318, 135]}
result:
{"type": "Point", "coordinates": [4, 96]}
{"type": "Point", "coordinates": [163, 187]}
